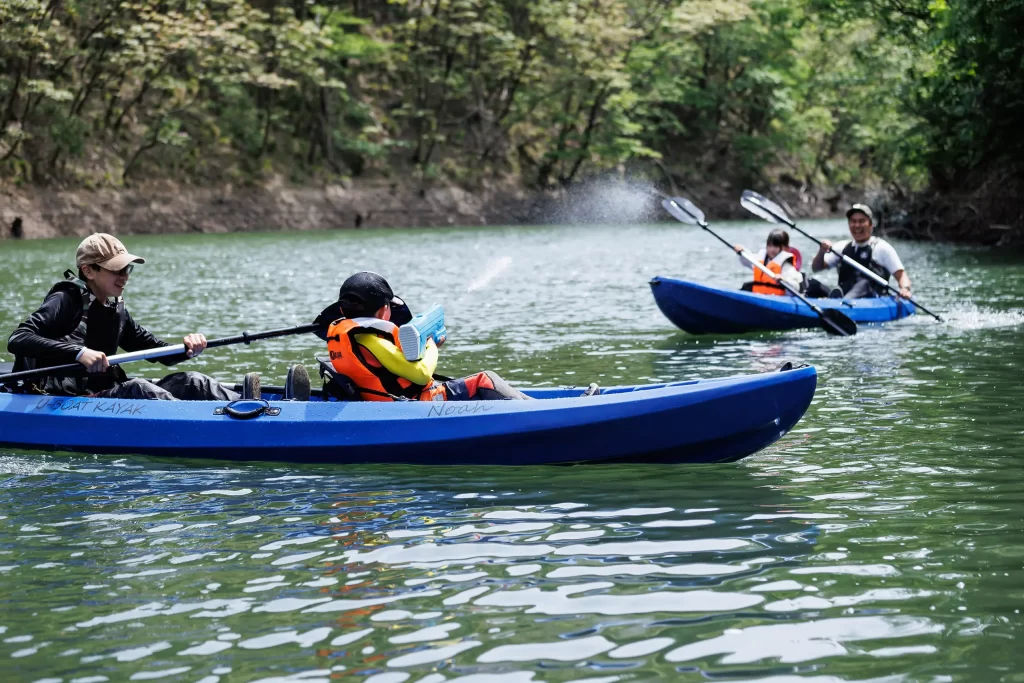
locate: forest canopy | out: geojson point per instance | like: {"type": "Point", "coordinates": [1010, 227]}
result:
{"type": "Point", "coordinates": [904, 93]}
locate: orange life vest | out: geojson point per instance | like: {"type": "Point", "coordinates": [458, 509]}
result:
{"type": "Point", "coordinates": [766, 285]}
{"type": "Point", "coordinates": [373, 381]}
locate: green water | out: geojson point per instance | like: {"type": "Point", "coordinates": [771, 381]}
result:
{"type": "Point", "coordinates": [882, 539]}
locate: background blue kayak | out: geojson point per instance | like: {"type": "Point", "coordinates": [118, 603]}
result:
{"type": "Point", "coordinates": [700, 309]}
{"type": "Point", "coordinates": [696, 421]}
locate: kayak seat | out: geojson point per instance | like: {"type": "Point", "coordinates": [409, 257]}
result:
{"type": "Point", "coordinates": [336, 386]}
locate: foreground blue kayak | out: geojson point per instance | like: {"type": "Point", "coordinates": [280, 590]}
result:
{"type": "Point", "coordinates": [697, 421]}
{"type": "Point", "coordinates": [700, 309]}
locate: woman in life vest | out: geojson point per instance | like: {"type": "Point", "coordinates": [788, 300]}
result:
{"type": "Point", "coordinates": [780, 260]}
{"type": "Point", "coordinates": [364, 347]}
{"type": "Point", "coordinates": [84, 319]}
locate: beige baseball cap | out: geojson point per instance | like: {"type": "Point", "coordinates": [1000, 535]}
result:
{"type": "Point", "coordinates": [861, 208]}
{"type": "Point", "coordinates": [105, 251]}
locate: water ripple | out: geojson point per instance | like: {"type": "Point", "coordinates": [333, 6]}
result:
{"type": "Point", "coordinates": [878, 541]}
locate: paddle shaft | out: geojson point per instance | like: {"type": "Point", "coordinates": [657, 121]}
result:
{"type": "Point", "coordinates": [158, 352]}
{"type": "Point", "coordinates": [851, 262]}
{"type": "Point", "coordinates": [832, 320]}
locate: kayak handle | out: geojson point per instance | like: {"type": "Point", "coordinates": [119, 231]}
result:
{"type": "Point", "coordinates": [247, 409]}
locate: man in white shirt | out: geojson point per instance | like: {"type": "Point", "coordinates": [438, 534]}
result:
{"type": "Point", "coordinates": [871, 252]}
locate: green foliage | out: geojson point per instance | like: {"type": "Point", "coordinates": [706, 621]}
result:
{"type": "Point", "coordinates": [959, 103]}
{"type": "Point", "coordinates": [817, 92]}
{"type": "Point", "coordinates": [973, 103]}
{"type": "Point", "coordinates": [69, 134]}
{"type": "Point", "coordinates": [152, 82]}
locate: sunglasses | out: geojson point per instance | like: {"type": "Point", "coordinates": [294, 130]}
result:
{"type": "Point", "coordinates": [126, 271]}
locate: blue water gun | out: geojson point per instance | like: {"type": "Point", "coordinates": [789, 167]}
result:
{"type": "Point", "coordinates": [414, 334]}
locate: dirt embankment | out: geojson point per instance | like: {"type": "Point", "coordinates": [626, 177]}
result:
{"type": "Point", "coordinates": [164, 208]}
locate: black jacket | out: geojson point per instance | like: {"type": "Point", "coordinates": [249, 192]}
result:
{"type": "Point", "coordinates": [52, 336]}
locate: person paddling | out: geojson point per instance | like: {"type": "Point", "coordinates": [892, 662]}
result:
{"type": "Point", "coordinates": [365, 349]}
{"type": "Point", "coordinates": [84, 319]}
{"type": "Point", "coordinates": [778, 258]}
{"type": "Point", "coordinates": [872, 252]}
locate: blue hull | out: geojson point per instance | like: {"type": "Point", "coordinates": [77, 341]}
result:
{"type": "Point", "coordinates": [700, 309]}
{"type": "Point", "coordinates": [698, 421]}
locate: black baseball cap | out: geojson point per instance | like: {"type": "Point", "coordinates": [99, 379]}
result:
{"type": "Point", "coordinates": [363, 294]}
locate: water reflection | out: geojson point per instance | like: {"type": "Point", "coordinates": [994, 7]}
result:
{"type": "Point", "coordinates": [269, 570]}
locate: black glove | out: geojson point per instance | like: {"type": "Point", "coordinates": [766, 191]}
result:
{"type": "Point", "coordinates": [400, 313]}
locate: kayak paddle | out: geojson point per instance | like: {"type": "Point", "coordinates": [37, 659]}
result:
{"type": "Point", "coordinates": [158, 352]}
{"type": "Point", "coordinates": [773, 213]}
{"type": "Point", "coordinates": [832, 320]}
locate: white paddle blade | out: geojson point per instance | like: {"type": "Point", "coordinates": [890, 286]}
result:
{"type": "Point", "coordinates": [762, 207]}
{"type": "Point", "coordinates": [690, 209]}
{"type": "Point", "coordinates": [677, 212]}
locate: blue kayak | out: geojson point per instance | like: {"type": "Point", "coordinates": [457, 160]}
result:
{"type": "Point", "coordinates": [700, 309]}
{"type": "Point", "coordinates": [697, 421]}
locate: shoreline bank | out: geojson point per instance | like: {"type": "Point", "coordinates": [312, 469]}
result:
{"type": "Point", "coordinates": [34, 213]}
{"type": "Point", "coordinates": [165, 208]}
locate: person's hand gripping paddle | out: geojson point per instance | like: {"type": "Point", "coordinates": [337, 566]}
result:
{"type": "Point", "coordinates": [762, 207]}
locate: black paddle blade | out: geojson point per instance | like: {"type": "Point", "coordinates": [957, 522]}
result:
{"type": "Point", "coordinates": [326, 317]}
{"type": "Point", "coordinates": [838, 323]}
